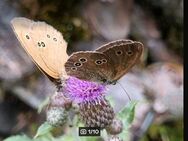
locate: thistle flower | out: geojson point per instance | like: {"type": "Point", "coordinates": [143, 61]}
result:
{"type": "Point", "coordinates": [97, 115]}
{"type": "Point", "coordinates": [94, 109]}
{"type": "Point", "coordinates": [81, 91]}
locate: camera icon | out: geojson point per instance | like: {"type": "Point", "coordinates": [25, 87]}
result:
{"type": "Point", "coordinates": [83, 131]}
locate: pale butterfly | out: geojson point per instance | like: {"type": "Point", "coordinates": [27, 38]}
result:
{"type": "Point", "coordinates": [47, 48]}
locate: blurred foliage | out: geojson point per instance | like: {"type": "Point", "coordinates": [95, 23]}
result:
{"type": "Point", "coordinates": [169, 131]}
{"type": "Point", "coordinates": [66, 17]}
{"type": "Point", "coordinates": [18, 138]}
{"type": "Point", "coordinates": [43, 129]}
{"type": "Point", "coordinates": [168, 15]}
{"type": "Point", "coordinates": [63, 15]}
{"type": "Point", "coordinates": [44, 132]}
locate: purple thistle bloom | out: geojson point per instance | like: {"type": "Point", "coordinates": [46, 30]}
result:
{"type": "Point", "coordinates": [81, 91]}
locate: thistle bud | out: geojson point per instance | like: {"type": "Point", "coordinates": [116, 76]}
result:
{"type": "Point", "coordinates": [56, 116]}
{"type": "Point", "coordinates": [115, 127]}
{"type": "Point", "coordinates": [97, 115]}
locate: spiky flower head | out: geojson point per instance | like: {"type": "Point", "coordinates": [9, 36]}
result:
{"type": "Point", "coordinates": [94, 109]}
{"type": "Point", "coordinates": [81, 91]}
{"type": "Point", "coordinates": [97, 115]}
{"type": "Point", "coordinates": [56, 116]}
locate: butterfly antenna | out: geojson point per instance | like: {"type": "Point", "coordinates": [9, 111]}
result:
{"type": "Point", "coordinates": [125, 91]}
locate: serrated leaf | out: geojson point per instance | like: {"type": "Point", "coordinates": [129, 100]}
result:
{"type": "Point", "coordinates": [18, 138]}
{"type": "Point", "coordinates": [127, 114]}
{"type": "Point", "coordinates": [127, 117]}
{"type": "Point", "coordinates": [45, 128]}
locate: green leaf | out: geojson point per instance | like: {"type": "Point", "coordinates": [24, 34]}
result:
{"type": "Point", "coordinates": [111, 100]}
{"type": "Point", "coordinates": [127, 117]}
{"type": "Point", "coordinates": [66, 138]}
{"type": "Point", "coordinates": [127, 114]}
{"type": "Point", "coordinates": [45, 128]}
{"type": "Point", "coordinates": [104, 134]}
{"type": "Point", "coordinates": [46, 137]}
{"type": "Point", "coordinates": [124, 135]}
{"type": "Point", "coordinates": [18, 138]}
{"type": "Point", "coordinates": [43, 104]}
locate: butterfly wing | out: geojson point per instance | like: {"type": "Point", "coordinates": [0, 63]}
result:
{"type": "Point", "coordinates": [124, 55]}
{"type": "Point", "coordinates": [108, 63]}
{"type": "Point", "coordinates": [90, 66]}
{"type": "Point", "coordinates": [112, 44]}
{"type": "Point", "coordinates": [44, 44]}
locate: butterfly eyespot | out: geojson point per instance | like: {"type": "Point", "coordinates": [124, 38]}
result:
{"type": "Point", "coordinates": [42, 44]}
{"type": "Point", "coordinates": [83, 60]}
{"type": "Point", "coordinates": [39, 44]}
{"type": "Point", "coordinates": [77, 64]}
{"type": "Point", "coordinates": [104, 60]}
{"type": "Point", "coordinates": [27, 36]}
{"type": "Point", "coordinates": [48, 35]}
{"type": "Point", "coordinates": [98, 62]}
{"type": "Point", "coordinates": [129, 52]}
{"type": "Point", "coordinates": [54, 39]}
{"type": "Point", "coordinates": [119, 52]}
{"type": "Point", "coordinates": [74, 68]}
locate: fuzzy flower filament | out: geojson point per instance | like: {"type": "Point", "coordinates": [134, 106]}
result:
{"type": "Point", "coordinates": [81, 91]}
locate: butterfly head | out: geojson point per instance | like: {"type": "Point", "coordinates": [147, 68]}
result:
{"type": "Point", "coordinates": [107, 82]}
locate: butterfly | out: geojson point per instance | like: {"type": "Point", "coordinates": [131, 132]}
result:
{"type": "Point", "coordinates": [48, 49]}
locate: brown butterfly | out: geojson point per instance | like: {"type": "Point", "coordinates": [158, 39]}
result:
{"type": "Point", "coordinates": [47, 48]}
